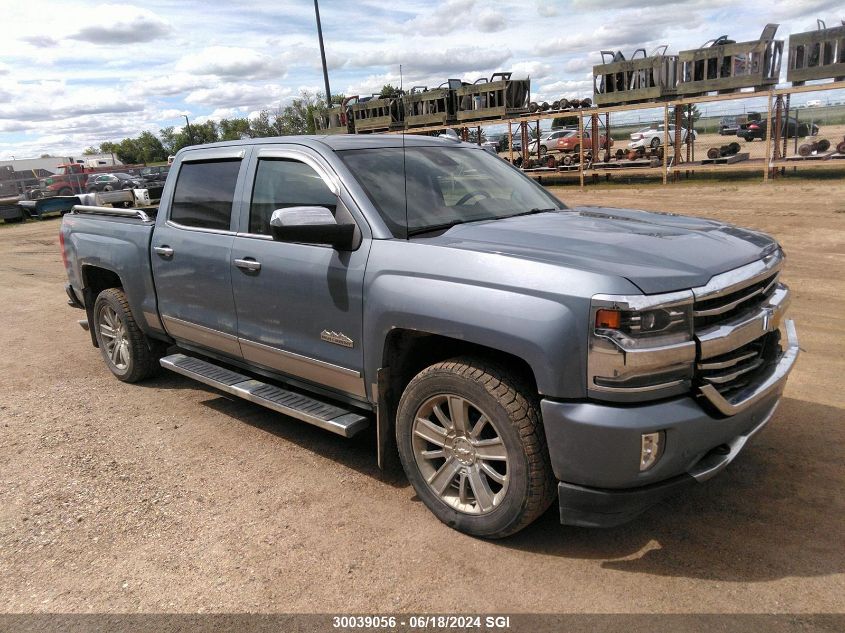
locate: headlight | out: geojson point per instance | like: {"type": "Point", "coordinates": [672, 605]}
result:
{"type": "Point", "coordinates": [640, 346]}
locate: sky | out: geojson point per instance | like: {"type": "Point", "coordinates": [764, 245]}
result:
{"type": "Point", "coordinates": [76, 73]}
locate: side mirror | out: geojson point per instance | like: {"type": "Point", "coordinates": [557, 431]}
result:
{"type": "Point", "coordinates": [310, 225]}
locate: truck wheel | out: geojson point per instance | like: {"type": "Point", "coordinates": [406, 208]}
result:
{"type": "Point", "coordinates": [471, 442]}
{"type": "Point", "coordinates": [124, 347]}
{"type": "Point", "coordinates": [65, 192]}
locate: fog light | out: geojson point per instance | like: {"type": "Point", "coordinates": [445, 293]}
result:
{"type": "Point", "coordinates": [652, 447]}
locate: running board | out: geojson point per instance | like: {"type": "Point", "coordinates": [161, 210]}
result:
{"type": "Point", "coordinates": [327, 416]}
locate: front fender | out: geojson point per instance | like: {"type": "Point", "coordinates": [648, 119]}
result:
{"type": "Point", "coordinates": [545, 333]}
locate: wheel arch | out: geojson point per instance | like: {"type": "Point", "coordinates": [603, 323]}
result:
{"type": "Point", "coordinates": [95, 279]}
{"type": "Point", "coordinates": [407, 352]}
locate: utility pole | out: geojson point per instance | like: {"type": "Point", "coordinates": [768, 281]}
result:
{"type": "Point", "coordinates": [323, 55]}
{"type": "Point", "coordinates": [190, 132]}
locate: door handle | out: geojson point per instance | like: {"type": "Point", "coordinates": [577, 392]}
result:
{"type": "Point", "coordinates": [164, 251]}
{"type": "Point", "coordinates": [248, 264]}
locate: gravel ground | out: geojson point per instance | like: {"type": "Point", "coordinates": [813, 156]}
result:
{"type": "Point", "coordinates": [167, 496]}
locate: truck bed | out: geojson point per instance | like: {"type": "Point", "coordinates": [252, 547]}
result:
{"type": "Point", "coordinates": [116, 240]}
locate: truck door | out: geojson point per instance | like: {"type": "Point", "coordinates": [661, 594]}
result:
{"type": "Point", "coordinates": [299, 305]}
{"type": "Point", "coordinates": [191, 250]}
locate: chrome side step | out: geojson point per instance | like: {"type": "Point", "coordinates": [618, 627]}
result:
{"type": "Point", "coordinates": [327, 416]}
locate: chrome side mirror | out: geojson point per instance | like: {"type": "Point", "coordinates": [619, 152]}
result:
{"type": "Point", "coordinates": [310, 225]}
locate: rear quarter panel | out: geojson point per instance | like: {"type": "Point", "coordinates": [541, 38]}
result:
{"type": "Point", "coordinates": [120, 245]}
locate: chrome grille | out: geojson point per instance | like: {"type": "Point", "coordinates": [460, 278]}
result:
{"type": "Point", "coordinates": [739, 368]}
{"type": "Point", "coordinates": [709, 311]}
{"type": "Point", "coordinates": [736, 318]}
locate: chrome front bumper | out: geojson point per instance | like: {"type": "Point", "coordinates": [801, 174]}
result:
{"type": "Point", "coordinates": [773, 382]}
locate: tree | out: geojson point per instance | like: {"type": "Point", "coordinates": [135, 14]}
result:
{"type": "Point", "coordinates": [90, 151]}
{"type": "Point", "coordinates": [261, 125]}
{"type": "Point", "coordinates": [171, 140]}
{"type": "Point", "coordinates": [388, 91]}
{"type": "Point", "coordinates": [149, 148]}
{"type": "Point", "coordinates": [204, 133]}
{"type": "Point", "coordinates": [234, 129]}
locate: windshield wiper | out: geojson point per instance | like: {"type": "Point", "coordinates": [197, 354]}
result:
{"type": "Point", "coordinates": [448, 225]}
{"type": "Point", "coordinates": [533, 211]}
{"type": "Point", "coordinates": [435, 227]}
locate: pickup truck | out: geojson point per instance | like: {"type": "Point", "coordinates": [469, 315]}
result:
{"type": "Point", "coordinates": [509, 350]}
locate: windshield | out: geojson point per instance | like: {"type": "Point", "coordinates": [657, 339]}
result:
{"type": "Point", "coordinates": [445, 186]}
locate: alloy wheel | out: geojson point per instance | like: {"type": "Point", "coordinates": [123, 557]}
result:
{"type": "Point", "coordinates": [460, 454]}
{"type": "Point", "coordinates": [113, 336]}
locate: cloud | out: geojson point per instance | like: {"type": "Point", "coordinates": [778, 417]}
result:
{"type": "Point", "coordinates": [239, 95]}
{"type": "Point", "coordinates": [546, 9]}
{"type": "Point", "coordinates": [122, 24]}
{"type": "Point", "coordinates": [54, 101]}
{"type": "Point", "coordinates": [444, 61]}
{"type": "Point", "coordinates": [40, 40]}
{"type": "Point", "coordinates": [799, 9]}
{"type": "Point", "coordinates": [639, 28]}
{"type": "Point", "coordinates": [536, 70]}
{"type": "Point", "coordinates": [454, 15]}
{"type": "Point", "coordinates": [577, 64]}
{"type": "Point", "coordinates": [490, 22]}
{"type": "Point", "coordinates": [232, 62]}
{"type": "Point", "coordinates": [450, 16]}
{"type": "Point", "coordinates": [167, 85]}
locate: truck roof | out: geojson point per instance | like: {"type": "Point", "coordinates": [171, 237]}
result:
{"type": "Point", "coordinates": [338, 141]}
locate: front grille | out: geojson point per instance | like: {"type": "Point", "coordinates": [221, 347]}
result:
{"type": "Point", "coordinates": [712, 311]}
{"type": "Point", "coordinates": [730, 357]}
{"type": "Point", "coordinates": [730, 373]}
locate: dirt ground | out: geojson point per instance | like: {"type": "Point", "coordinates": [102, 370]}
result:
{"type": "Point", "coordinates": [167, 496]}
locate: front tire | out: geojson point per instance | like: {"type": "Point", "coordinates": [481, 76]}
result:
{"type": "Point", "coordinates": [472, 444]}
{"type": "Point", "coordinates": [124, 347]}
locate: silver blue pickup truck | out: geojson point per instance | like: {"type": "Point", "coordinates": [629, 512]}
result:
{"type": "Point", "coordinates": [509, 350]}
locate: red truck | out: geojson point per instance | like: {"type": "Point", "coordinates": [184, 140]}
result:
{"type": "Point", "coordinates": [71, 179]}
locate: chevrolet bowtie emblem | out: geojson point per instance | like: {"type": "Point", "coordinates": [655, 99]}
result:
{"type": "Point", "coordinates": [338, 338]}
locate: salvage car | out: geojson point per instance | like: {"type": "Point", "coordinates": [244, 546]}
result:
{"type": "Point", "coordinates": [653, 136]}
{"type": "Point", "coordinates": [113, 182]}
{"type": "Point", "coordinates": [570, 141]}
{"type": "Point", "coordinates": [509, 350]}
{"type": "Point", "coordinates": [728, 126]}
{"type": "Point", "coordinates": [792, 128]}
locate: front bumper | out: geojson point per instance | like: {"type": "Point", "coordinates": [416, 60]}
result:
{"type": "Point", "coordinates": [595, 448]}
{"type": "Point", "coordinates": [599, 507]}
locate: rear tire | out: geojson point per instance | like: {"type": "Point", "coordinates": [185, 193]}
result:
{"type": "Point", "coordinates": [125, 348]}
{"type": "Point", "coordinates": [487, 477]}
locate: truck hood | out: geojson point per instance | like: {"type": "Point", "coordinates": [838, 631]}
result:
{"type": "Point", "coordinates": [658, 252]}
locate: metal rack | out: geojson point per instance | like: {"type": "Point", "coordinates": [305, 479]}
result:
{"type": "Point", "coordinates": [680, 159]}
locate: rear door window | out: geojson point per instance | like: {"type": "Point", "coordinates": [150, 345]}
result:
{"type": "Point", "coordinates": [204, 194]}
